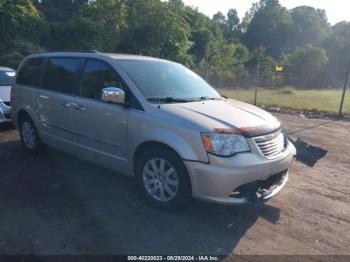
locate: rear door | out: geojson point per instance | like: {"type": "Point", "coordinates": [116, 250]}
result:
{"type": "Point", "coordinates": [100, 128]}
{"type": "Point", "coordinates": [54, 100]}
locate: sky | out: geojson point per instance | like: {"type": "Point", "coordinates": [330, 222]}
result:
{"type": "Point", "coordinates": [337, 10]}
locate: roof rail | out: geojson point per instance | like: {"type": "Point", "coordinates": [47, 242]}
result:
{"type": "Point", "coordinates": [74, 51]}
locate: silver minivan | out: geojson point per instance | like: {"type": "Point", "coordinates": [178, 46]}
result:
{"type": "Point", "coordinates": [152, 119]}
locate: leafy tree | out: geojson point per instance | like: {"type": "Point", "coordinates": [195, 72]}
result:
{"type": "Point", "coordinates": [156, 29]}
{"type": "Point", "coordinates": [220, 19]}
{"type": "Point", "coordinates": [96, 25]}
{"type": "Point", "coordinates": [18, 20]}
{"type": "Point", "coordinates": [337, 46]}
{"type": "Point", "coordinates": [306, 65]}
{"type": "Point", "coordinates": [176, 5]}
{"type": "Point", "coordinates": [241, 57]}
{"type": "Point", "coordinates": [268, 25]}
{"type": "Point", "coordinates": [59, 10]}
{"type": "Point", "coordinates": [232, 28]}
{"type": "Point", "coordinates": [102, 19]}
{"type": "Point", "coordinates": [260, 61]}
{"type": "Point", "coordinates": [222, 49]}
{"type": "Point", "coordinates": [310, 26]}
{"type": "Point", "coordinates": [226, 62]}
{"type": "Point", "coordinates": [221, 63]}
{"type": "Point", "coordinates": [200, 34]}
{"type": "Point", "coordinates": [206, 36]}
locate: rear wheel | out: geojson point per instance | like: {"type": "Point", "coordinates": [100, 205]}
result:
{"type": "Point", "coordinates": [29, 135]}
{"type": "Point", "coordinates": [163, 179]}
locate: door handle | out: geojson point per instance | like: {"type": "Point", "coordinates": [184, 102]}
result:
{"type": "Point", "coordinates": [66, 104]}
{"type": "Point", "coordinates": [44, 97]}
{"type": "Point", "coordinates": [79, 107]}
{"type": "Point", "coordinates": [74, 105]}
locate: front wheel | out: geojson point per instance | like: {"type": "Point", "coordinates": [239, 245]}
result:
{"type": "Point", "coordinates": [163, 179]}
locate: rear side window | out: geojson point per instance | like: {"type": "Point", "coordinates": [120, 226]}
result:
{"type": "Point", "coordinates": [30, 72]}
{"type": "Point", "coordinates": [61, 74]}
{"type": "Point", "coordinates": [98, 75]}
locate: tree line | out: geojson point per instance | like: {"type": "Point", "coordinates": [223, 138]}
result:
{"type": "Point", "coordinates": [223, 49]}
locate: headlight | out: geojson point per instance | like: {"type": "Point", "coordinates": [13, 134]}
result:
{"type": "Point", "coordinates": [224, 144]}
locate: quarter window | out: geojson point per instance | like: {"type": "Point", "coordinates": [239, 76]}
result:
{"type": "Point", "coordinates": [30, 72]}
{"type": "Point", "coordinates": [61, 74]}
{"type": "Point", "coordinates": [98, 75]}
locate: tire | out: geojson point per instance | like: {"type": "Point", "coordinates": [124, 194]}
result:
{"type": "Point", "coordinates": [163, 179]}
{"type": "Point", "coordinates": [29, 135]}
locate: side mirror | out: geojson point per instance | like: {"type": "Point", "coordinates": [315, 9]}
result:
{"type": "Point", "coordinates": [113, 95]}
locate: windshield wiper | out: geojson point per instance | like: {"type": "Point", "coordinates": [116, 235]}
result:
{"type": "Point", "coordinates": [170, 100]}
{"type": "Point", "coordinates": [182, 100]}
{"type": "Point", "coordinates": [210, 98]}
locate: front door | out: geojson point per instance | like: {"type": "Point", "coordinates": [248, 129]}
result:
{"type": "Point", "coordinates": [100, 128]}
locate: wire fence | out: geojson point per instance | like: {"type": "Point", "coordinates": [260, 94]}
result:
{"type": "Point", "coordinates": [278, 88]}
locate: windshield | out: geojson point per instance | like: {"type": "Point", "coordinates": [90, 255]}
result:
{"type": "Point", "coordinates": [6, 77]}
{"type": "Point", "coordinates": [168, 81]}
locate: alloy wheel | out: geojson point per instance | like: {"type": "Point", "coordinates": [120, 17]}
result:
{"type": "Point", "coordinates": [160, 179]}
{"type": "Point", "coordinates": [28, 135]}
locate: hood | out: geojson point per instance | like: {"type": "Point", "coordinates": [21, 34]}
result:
{"type": "Point", "coordinates": [227, 116]}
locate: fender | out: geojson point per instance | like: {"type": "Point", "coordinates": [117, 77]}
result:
{"type": "Point", "coordinates": [171, 139]}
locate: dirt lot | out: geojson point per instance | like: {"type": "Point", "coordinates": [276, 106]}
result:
{"type": "Point", "coordinates": [57, 204]}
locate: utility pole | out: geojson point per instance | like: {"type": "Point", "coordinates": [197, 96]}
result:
{"type": "Point", "coordinates": [344, 91]}
{"type": "Point", "coordinates": [257, 78]}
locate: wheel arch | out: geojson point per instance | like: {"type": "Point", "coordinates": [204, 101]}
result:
{"type": "Point", "coordinates": [151, 144]}
{"type": "Point", "coordinates": [21, 114]}
{"type": "Point", "coordinates": [156, 144]}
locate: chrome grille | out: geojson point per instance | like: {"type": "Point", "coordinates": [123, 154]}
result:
{"type": "Point", "coordinates": [271, 145]}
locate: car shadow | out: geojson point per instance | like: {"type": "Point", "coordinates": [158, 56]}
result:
{"type": "Point", "coordinates": [54, 203]}
{"type": "Point", "coordinates": [6, 127]}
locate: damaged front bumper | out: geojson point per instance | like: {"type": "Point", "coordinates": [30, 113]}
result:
{"type": "Point", "coordinates": [244, 178]}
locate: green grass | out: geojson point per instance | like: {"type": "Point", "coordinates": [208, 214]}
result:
{"type": "Point", "coordinates": [288, 97]}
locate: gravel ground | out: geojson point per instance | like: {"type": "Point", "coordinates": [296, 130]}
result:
{"type": "Point", "coordinates": [57, 204]}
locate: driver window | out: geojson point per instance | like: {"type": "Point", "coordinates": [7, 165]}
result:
{"type": "Point", "coordinates": [96, 76]}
